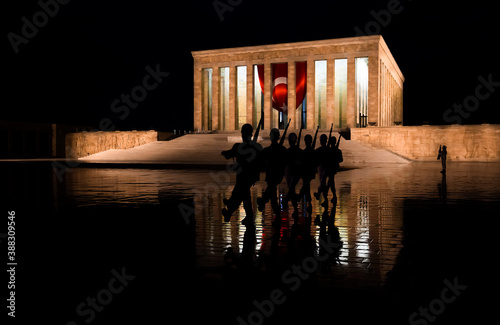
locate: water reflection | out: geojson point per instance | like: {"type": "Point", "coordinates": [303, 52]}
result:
{"type": "Point", "coordinates": [368, 217]}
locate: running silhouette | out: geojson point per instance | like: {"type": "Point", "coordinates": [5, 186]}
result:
{"type": "Point", "coordinates": [329, 156]}
{"type": "Point", "coordinates": [309, 166]}
{"type": "Point", "coordinates": [322, 157]}
{"type": "Point", "coordinates": [247, 168]}
{"type": "Point", "coordinates": [335, 159]}
{"type": "Point", "coordinates": [274, 161]}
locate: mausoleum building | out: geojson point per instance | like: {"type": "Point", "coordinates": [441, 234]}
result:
{"type": "Point", "coordinates": [350, 82]}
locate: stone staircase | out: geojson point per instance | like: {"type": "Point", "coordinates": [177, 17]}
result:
{"type": "Point", "coordinates": [204, 149]}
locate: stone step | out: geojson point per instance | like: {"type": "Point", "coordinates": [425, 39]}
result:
{"type": "Point", "coordinates": [205, 149]}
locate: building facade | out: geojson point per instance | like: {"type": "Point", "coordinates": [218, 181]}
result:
{"type": "Point", "coordinates": [350, 82]}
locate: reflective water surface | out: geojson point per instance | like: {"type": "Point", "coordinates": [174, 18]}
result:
{"type": "Point", "coordinates": [383, 217]}
{"type": "Point", "coordinates": [368, 214]}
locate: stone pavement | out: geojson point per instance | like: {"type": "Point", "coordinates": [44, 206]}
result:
{"type": "Point", "coordinates": [204, 150]}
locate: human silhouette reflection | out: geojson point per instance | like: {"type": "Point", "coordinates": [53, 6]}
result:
{"type": "Point", "coordinates": [243, 263]}
{"type": "Point", "coordinates": [293, 169]}
{"type": "Point", "coordinates": [442, 188]}
{"type": "Point", "coordinates": [247, 168]}
{"type": "Point", "coordinates": [329, 232]}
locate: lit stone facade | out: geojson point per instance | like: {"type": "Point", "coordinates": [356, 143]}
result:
{"type": "Point", "coordinates": [350, 82]}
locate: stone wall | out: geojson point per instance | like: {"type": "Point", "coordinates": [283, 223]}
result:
{"type": "Point", "coordinates": [421, 143]}
{"type": "Point", "coordinates": [83, 144]}
{"type": "Point", "coordinates": [26, 140]}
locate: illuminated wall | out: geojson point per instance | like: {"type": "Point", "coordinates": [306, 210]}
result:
{"type": "Point", "coordinates": [391, 98]}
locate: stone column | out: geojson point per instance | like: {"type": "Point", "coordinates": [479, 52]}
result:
{"type": "Point", "coordinates": [216, 111]}
{"type": "Point", "coordinates": [401, 103]}
{"type": "Point", "coordinates": [351, 87]}
{"type": "Point", "coordinates": [381, 93]}
{"type": "Point", "coordinates": [311, 122]}
{"type": "Point", "coordinates": [384, 98]}
{"type": "Point", "coordinates": [387, 96]}
{"type": "Point", "coordinates": [204, 100]}
{"type": "Point", "coordinates": [197, 98]}
{"type": "Point", "coordinates": [267, 96]}
{"type": "Point", "coordinates": [373, 93]}
{"type": "Point", "coordinates": [292, 108]}
{"type": "Point", "coordinates": [332, 114]}
{"type": "Point", "coordinates": [393, 106]}
{"type": "Point", "coordinates": [398, 100]}
{"type": "Point", "coordinates": [233, 110]}
{"type": "Point", "coordinates": [274, 112]}
{"type": "Point", "coordinates": [250, 92]}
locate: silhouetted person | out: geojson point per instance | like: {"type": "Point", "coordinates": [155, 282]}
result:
{"type": "Point", "coordinates": [323, 158]}
{"type": "Point", "coordinates": [309, 166]}
{"type": "Point", "coordinates": [247, 154]}
{"type": "Point", "coordinates": [274, 161]}
{"type": "Point", "coordinates": [293, 168]}
{"type": "Point", "coordinates": [442, 155]}
{"type": "Point", "coordinates": [334, 166]}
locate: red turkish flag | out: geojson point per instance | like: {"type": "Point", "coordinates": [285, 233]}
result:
{"type": "Point", "coordinates": [301, 82]}
{"type": "Point", "coordinates": [260, 73]}
{"type": "Point", "coordinates": [280, 87]}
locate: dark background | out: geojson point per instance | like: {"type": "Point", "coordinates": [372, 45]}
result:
{"type": "Point", "coordinates": [91, 52]}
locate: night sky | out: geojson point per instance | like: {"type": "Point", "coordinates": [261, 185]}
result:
{"type": "Point", "coordinates": [90, 52]}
